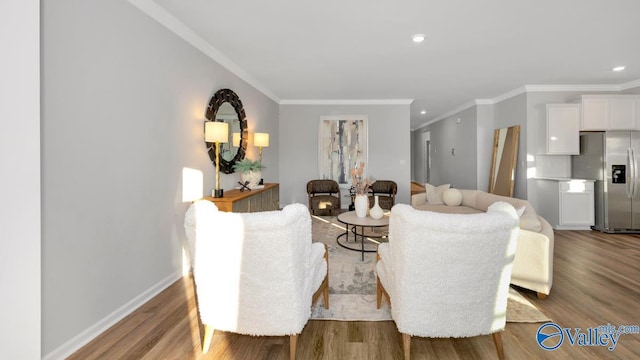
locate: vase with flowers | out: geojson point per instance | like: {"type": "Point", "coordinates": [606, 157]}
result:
{"type": "Point", "coordinates": [361, 187]}
{"type": "Point", "coordinates": [250, 171]}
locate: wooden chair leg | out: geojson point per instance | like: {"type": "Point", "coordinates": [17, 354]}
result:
{"type": "Point", "coordinates": [378, 293]}
{"type": "Point", "coordinates": [497, 340]}
{"type": "Point", "coordinates": [325, 293]}
{"type": "Point", "coordinates": [406, 346]}
{"type": "Point", "coordinates": [293, 342]}
{"type": "Point", "coordinates": [542, 296]}
{"type": "Point", "coordinates": [206, 342]}
{"type": "Point", "coordinates": [325, 296]}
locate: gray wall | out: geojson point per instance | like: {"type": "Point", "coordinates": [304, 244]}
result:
{"type": "Point", "coordinates": [485, 145]}
{"type": "Point", "coordinates": [20, 180]}
{"type": "Point", "coordinates": [389, 146]}
{"type": "Point", "coordinates": [459, 170]}
{"type": "Point", "coordinates": [123, 105]}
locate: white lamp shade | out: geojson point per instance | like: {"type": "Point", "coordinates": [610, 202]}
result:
{"type": "Point", "coordinates": [216, 131]}
{"type": "Point", "coordinates": [236, 139]}
{"type": "Point", "coordinates": [261, 139]}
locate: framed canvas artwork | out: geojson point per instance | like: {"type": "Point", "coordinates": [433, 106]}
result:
{"type": "Point", "coordinates": [342, 141]}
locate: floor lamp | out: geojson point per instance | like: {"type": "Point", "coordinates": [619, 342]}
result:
{"type": "Point", "coordinates": [216, 132]}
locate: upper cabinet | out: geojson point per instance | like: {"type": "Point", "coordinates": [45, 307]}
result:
{"type": "Point", "coordinates": [610, 112]}
{"type": "Point", "coordinates": [563, 129]}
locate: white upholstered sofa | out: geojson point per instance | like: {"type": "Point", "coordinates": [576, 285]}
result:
{"type": "Point", "coordinates": [533, 263]}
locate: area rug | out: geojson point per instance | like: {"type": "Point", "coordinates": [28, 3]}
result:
{"type": "Point", "coordinates": [352, 283]}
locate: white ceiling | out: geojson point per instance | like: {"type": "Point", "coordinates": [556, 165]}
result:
{"type": "Point", "coordinates": [362, 49]}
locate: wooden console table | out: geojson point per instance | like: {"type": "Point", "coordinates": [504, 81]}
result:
{"type": "Point", "coordinates": [265, 199]}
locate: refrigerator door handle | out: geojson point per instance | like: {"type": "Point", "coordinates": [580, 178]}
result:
{"type": "Point", "coordinates": [631, 176]}
{"type": "Point", "coordinates": [634, 179]}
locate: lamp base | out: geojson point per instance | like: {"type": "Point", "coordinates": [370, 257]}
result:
{"type": "Point", "coordinates": [218, 193]}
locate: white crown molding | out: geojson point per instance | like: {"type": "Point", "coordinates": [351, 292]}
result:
{"type": "Point", "coordinates": [346, 102]}
{"type": "Point", "coordinates": [559, 88]}
{"type": "Point", "coordinates": [630, 85]}
{"type": "Point", "coordinates": [162, 16]}
{"type": "Point", "coordinates": [533, 88]}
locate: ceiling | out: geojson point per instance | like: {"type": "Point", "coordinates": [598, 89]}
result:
{"type": "Point", "coordinates": [362, 49]}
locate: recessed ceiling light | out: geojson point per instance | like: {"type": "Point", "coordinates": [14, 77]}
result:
{"type": "Point", "coordinates": [618, 68]}
{"type": "Point", "coordinates": [418, 38]}
{"type": "Point", "coordinates": [423, 112]}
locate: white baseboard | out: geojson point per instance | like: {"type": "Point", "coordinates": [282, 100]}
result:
{"type": "Point", "coordinates": [83, 338]}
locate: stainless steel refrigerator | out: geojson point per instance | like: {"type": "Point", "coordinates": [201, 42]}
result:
{"type": "Point", "coordinates": [610, 158]}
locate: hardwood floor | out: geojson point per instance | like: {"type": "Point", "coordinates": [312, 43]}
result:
{"type": "Point", "coordinates": [596, 282]}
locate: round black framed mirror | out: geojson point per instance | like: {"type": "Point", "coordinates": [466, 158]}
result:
{"type": "Point", "coordinates": [225, 106]}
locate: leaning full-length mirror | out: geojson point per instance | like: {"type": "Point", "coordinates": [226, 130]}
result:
{"type": "Point", "coordinates": [503, 164]}
{"type": "Point", "coordinates": [225, 106]}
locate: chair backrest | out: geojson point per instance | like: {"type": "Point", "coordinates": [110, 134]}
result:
{"type": "Point", "coordinates": [455, 269]}
{"type": "Point", "coordinates": [323, 197]}
{"type": "Point", "coordinates": [324, 186]}
{"type": "Point", "coordinates": [251, 269]}
{"type": "Point", "coordinates": [386, 190]}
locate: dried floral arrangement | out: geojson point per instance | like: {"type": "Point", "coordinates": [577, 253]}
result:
{"type": "Point", "coordinates": [360, 185]}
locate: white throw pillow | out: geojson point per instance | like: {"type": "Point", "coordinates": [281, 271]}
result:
{"type": "Point", "coordinates": [521, 210]}
{"type": "Point", "coordinates": [434, 194]}
{"type": "Point", "coordinates": [452, 197]}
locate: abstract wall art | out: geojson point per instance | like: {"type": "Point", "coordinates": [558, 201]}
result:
{"type": "Point", "coordinates": [342, 141]}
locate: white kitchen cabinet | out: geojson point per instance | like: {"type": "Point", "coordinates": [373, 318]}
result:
{"type": "Point", "coordinates": [567, 204]}
{"type": "Point", "coordinates": [563, 129]}
{"type": "Point", "coordinates": [610, 112]}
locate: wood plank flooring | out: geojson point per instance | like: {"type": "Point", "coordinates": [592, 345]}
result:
{"type": "Point", "coordinates": [596, 282]}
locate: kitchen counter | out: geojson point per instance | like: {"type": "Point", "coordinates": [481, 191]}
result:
{"type": "Point", "coordinates": [567, 203]}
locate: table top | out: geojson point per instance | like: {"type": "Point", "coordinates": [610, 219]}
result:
{"type": "Point", "coordinates": [350, 218]}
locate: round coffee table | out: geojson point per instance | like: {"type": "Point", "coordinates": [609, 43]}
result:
{"type": "Point", "coordinates": [350, 219]}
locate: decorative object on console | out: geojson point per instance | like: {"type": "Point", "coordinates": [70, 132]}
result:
{"type": "Point", "coordinates": [376, 211]}
{"type": "Point", "coordinates": [225, 106]}
{"type": "Point", "coordinates": [361, 186]}
{"type": "Point", "coordinates": [216, 132]}
{"type": "Point", "coordinates": [250, 171]}
{"type": "Point", "coordinates": [261, 140]}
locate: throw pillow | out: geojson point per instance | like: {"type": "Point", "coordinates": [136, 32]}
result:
{"type": "Point", "coordinates": [452, 197]}
{"type": "Point", "coordinates": [434, 193]}
{"type": "Point", "coordinates": [520, 211]}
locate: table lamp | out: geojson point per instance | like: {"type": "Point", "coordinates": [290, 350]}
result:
{"type": "Point", "coordinates": [261, 140]}
{"type": "Point", "coordinates": [216, 132]}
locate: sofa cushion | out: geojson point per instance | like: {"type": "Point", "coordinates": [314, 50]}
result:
{"type": "Point", "coordinates": [434, 194]}
{"type": "Point", "coordinates": [528, 220]}
{"type": "Point", "coordinates": [442, 208]}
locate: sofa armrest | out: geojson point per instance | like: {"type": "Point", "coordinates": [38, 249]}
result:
{"type": "Point", "coordinates": [418, 199]}
{"type": "Point", "coordinates": [533, 262]}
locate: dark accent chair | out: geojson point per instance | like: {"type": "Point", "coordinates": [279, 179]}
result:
{"type": "Point", "coordinates": [386, 190]}
{"type": "Point", "coordinates": [324, 197]}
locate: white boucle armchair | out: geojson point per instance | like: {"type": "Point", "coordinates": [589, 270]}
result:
{"type": "Point", "coordinates": [447, 275]}
{"type": "Point", "coordinates": [255, 273]}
